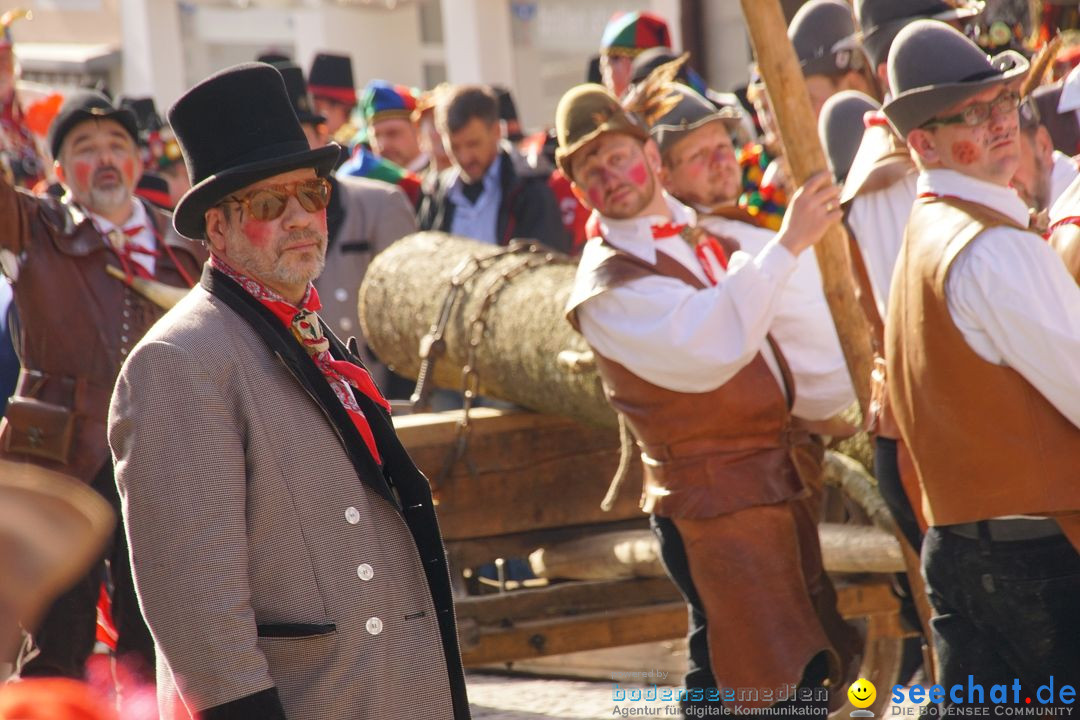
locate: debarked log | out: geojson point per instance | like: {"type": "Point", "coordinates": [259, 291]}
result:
{"type": "Point", "coordinates": [524, 326]}
{"type": "Point", "coordinates": [636, 553]}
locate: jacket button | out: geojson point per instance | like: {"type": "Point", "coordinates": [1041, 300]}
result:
{"type": "Point", "coordinates": [365, 573]}
{"type": "Point", "coordinates": [346, 324]}
{"type": "Point", "coordinates": [374, 625]}
{"type": "Point", "coordinates": [352, 515]}
{"type": "Point", "coordinates": [341, 295]}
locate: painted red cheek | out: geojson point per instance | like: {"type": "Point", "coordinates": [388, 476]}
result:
{"type": "Point", "coordinates": [128, 168]}
{"type": "Point", "coordinates": [257, 232]}
{"type": "Point", "coordinates": [965, 152]}
{"type": "Point", "coordinates": [638, 174]}
{"type": "Point", "coordinates": [320, 218]}
{"type": "Point", "coordinates": [82, 173]}
{"type": "Point", "coordinates": [596, 197]}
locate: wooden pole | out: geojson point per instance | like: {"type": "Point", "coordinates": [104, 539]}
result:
{"type": "Point", "coordinates": [784, 82]}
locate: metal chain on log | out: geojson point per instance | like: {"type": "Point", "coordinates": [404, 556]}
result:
{"type": "Point", "coordinates": [530, 356]}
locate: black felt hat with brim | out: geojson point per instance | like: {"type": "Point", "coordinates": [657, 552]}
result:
{"type": "Point", "coordinates": [932, 67]}
{"type": "Point", "coordinates": [236, 128]}
{"type": "Point", "coordinates": [87, 105]}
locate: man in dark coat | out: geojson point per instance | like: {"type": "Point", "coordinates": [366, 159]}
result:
{"type": "Point", "coordinates": [490, 194]}
{"type": "Point", "coordinates": [77, 265]}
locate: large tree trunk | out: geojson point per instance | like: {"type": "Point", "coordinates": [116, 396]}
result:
{"type": "Point", "coordinates": [517, 358]}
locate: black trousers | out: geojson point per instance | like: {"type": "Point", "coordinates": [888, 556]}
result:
{"type": "Point", "coordinates": [699, 674]}
{"type": "Point", "coordinates": [1003, 611]}
{"type": "Point", "coordinates": [66, 636]}
{"type": "Point", "coordinates": [887, 472]}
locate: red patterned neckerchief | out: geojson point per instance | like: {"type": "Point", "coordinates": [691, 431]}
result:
{"type": "Point", "coordinates": [306, 327]}
{"type": "Point", "coordinates": [702, 242]}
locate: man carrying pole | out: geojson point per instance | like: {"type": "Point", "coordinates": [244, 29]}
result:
{"type": "Point", "coordinates": [680, 326]}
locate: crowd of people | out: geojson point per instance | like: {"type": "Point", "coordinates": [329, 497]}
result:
{"type": "Point", "coordinates": [181, 303]}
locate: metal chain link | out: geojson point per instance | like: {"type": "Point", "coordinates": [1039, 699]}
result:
{"type": "Point", "coordinates": [470, 376]}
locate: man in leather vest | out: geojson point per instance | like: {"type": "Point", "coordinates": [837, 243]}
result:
{"type": "Point", "coordinates": [680, 327]}
{"type": "Point", "coordinates": [983, 348]}
{"type": "Point", "coordinates": [262, 479]}
{"type": "Point", "coordinates": [74, 263]}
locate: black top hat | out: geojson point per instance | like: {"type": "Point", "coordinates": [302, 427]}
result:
{"type": "Point", "coordinates": [273, 57]}
{"type": "Point", "coordinates": [154, 188]}
{"type": "Point", "coordinates": [145, 111]}
{"type": "Point", "coordinates": [86, 105]}
{"type": "Point", "coordinates": [331, 76]}
{"type": "Point", "coordinates": [297, 88]}
{"type": "Point", "coordinates": [236, 128]}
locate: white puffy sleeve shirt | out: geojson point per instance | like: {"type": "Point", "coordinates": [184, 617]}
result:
{"type": "Point", "coordinates": [694, 340]}
{"type": "Point", "coordinates": [1011, 296]}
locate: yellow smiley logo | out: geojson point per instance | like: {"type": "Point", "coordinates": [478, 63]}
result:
{"type": "Point", "coordinates": [862, 693]}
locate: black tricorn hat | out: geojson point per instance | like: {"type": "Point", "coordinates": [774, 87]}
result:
{"type": "Point", "coordinates": [86, 105]}
{"type": "Point", "coordinates": [297, 88]}
{"type": "Point", "coordinates": [238, 127]}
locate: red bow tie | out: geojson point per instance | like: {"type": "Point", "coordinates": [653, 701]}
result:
{"type": "Point", "coordinates": [702, 242]}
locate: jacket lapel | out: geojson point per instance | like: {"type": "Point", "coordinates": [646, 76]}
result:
{"type": "Point", "coordinates": [307, 374]}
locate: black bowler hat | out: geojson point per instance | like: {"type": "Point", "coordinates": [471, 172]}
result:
{"type": "Point", "coordinates": [297, 88]}
{"type": "Point", "coordinates": [236, 128]}
{"type": "Point", "coordinates": [86, 105]}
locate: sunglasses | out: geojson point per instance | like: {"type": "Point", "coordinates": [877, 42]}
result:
{"type": "Point", "coordinates": [268, 203]}
{"type": "Point", "coordinates": [979, 113]}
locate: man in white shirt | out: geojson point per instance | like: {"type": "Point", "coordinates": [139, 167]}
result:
{"type": "Point", "coordinates": [680, 327]}
{"type": "Point", "coordinates": [983, 349]}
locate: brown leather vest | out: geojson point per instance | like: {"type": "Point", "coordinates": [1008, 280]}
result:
{"type": "Point", "coordinates": [77, 323]}
{"type": "Point", "coordinates": [984, 441]}
{"type": "Point", "coordinates": [708, 453]}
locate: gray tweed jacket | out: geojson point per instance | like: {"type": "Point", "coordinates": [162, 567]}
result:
{"type": "Point", "coordinates": [271, 554]}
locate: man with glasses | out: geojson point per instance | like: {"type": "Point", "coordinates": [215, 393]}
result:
{"type": "Point", "coordinates": [285, 548]}
{"type": "Point", "coordinates": [983, 348]}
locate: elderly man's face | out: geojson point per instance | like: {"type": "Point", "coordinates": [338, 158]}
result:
{"type": "Point", "coordinates": [285, 253]}
{"type": "Point", "coordinates": [701, 168]}
{"type": "Point", "coordinates": [99, 163]}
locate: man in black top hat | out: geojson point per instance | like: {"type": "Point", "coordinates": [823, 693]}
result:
{"type": "Point", "coordinates": [334, 93]}
{"type": "Point", "coordinates": [79, 266]}
{"type": "Point", "coordinates": [263, 482]}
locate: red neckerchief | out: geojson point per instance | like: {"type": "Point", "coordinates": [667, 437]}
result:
{"type": "Point", "coordinates": [874, 118]}
{"type": "Point", "coordinates": [702, 242]}
{"type": "Point", "coordinates": [307, 329]}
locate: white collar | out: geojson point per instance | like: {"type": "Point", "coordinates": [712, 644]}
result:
{"type": "Point", "coordinates": [635, 236]}
{"type": "Point", "coordinates": [136, 219]}
{"type": "Point", "coordinates": [1070, 92]}
{"type": "Point", "coordinates": [999, 198]}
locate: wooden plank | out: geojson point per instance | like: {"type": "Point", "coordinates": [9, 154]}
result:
{"type": "Point", "coordinates": [522, 461]}
{"type": "Point", "coordinates": [871, 597]}
{"type": "Point", "coordinates": [562, 635]}
{"type": "Point", "coordinates": [477, 551]}
{"type": "Point", "coordinates": [566, 599]}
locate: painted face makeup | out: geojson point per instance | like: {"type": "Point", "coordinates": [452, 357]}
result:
{"type": "Point", "coordinates": [965, 152]}
{"type": "Point", "coordinates": [638, 174]}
